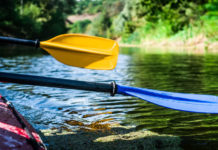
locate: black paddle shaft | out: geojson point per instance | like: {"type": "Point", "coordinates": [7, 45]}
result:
{"type": "Point", "coordinates": [10, 40]}
{"type": "Point", "coordinates": [55, 82]}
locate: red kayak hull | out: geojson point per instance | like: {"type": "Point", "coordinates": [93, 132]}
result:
{"type": "Point", "coordinates": [15, 131]}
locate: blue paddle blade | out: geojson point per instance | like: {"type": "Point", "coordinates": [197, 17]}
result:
{"type": "Point", "coordinates": [179, 101]}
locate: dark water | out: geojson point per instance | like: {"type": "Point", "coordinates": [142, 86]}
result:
{"type": "Point", "coordinates": [168, 71]}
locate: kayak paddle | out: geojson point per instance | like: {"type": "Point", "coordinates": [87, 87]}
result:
{"type": "Point", "coordinates": [76, 50]}
{"type": "Point", "coordinates": [179, 101]}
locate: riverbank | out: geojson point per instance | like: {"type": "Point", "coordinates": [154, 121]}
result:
{"type": "Point", "coordinates": [199, 44]}
{"type": "Point", "coordinates": [113, 138]}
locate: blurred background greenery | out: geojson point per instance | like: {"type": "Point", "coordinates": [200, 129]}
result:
{"type": "Point", "coordinates": [34, 18]}
{"type": "Point", "coordinates": [130, 20]}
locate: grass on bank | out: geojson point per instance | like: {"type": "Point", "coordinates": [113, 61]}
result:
{"type": "Point", "coordinates": [163, 31]}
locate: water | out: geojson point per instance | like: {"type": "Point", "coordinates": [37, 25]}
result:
{"type": "Point", "coordinates": [72, 109]}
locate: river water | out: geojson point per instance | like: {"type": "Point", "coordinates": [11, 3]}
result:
{"type": "Point", "coordinates": [155, 69]}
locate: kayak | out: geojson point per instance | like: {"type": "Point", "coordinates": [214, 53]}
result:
{"type": "Point", "coordinates": [15, 131]}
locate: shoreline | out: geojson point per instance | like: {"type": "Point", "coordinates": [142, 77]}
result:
{"type": "Point", "coordinates": [198, 44]}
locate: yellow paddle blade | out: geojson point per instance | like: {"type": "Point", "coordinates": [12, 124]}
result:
{"type": "Point", "coordinates": [83, 51]}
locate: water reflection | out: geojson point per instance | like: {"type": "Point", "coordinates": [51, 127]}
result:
{"type": "Point", "coordinates": [70, 109]}
{"type": "Point", "coordinates": [187, 73]}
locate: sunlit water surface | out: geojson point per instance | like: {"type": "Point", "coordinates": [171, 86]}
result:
{"type": "Point", "coordinates": [63, 108]}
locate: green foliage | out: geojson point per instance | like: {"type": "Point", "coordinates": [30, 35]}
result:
{"type": "Point", "coordinates": [101, 24]}
{"type": "Point", "coordinates": [96, 6]}
{"type": "Point", "coordinates": [211, 29]}
{"type": "Point", "coordinates": [30, 10]}
{"type": "Point", "coordinates": [171, 19]}
{"type": "Point", "coordinates": [30, 18]}
{"type": "Point", "coordinates": [179, 13]}
{"type": "Point", "coordinates": [34, 18]}
{"type": "Point", "coordinates": [132, 20]}
{"type": "Point", "coordinates": [54, 26]}
{"type": "Point", "coordinates": [79, 26]}
{"type": "Point", "coordinates": [104, 24]}
{"type": "Point", "coordinates": [211, 10]}
{"type": "Point", "coordinates": [129, 34]}
{"type": "Point", "coordinates": [8, 12]}
{"type": "Point", "coordinates": [123, 23]}
{"type": "Point", "coordinates": [88, 6]}
{"type": "Point", "coordinates": [134, 38]}
{"type": "Point", "coordinates": [149, 30]}
{"type": "Point", "coordinates": [118, 25]}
